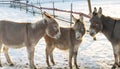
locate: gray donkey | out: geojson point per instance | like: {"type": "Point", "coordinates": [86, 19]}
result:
{"type": "Point", "coordinates": [17, 35]}
{"type": "Point", "coordinates": [110, 27]}
{"type": "Point", "coordinates": [70, 38]}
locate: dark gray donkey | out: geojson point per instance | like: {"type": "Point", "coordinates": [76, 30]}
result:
{"type": "Point", "coordinates": [17, 35]}
{"type": "Point", "coordinates": [110, 27]}
{"type": "Point", "coordinates": [70, 39]}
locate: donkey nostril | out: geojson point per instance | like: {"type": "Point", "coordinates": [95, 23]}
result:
{"type": "Point", "coordinates": [92, 34]}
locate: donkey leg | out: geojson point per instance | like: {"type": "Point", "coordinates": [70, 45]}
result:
{"type": "Point", "coordinates": [70, 58]}
{"type": "Point", "coordinates": [0, 55]}
{"type": "Point", "coordinates": [119, 57]}
{"type": "Point", "coordinates": [5, 49]}
{"type": "Point", "coordinates": [31, 50]}
{"type": "Point", "coordinates": [116, 56]}
{"type": "Point", "coordinates": [119, 60]}
{"type": "Point", "coordinates": [75, 60]}
{"type": "Point", "coordinates": [75, 56]}
{"type": "Point", "coordinates": [51, 55]}
{"type": "Point", "coordinates": [47, 56]}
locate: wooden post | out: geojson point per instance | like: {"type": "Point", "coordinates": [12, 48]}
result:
{"type": "Point", "coordinates": [71, 15]}
{"type": "Point", "coordinates": [53, 10]}
{"type": "Point", "coordinates": [89, 6]}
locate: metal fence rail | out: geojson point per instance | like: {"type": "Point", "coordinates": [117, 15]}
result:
{"type": "Point", "coordinates": [27, 6]}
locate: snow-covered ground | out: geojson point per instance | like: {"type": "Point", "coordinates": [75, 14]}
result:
{"type": "Point", "coordinates": [92, 54]}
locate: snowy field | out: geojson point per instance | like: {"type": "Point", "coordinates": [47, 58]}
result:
{"type": "Point", "coordinates": [92, 54]}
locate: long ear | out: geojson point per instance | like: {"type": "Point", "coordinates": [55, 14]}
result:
{"type": "Point", "coordinates": [81, 18]}
{"type": "Point", "coordinates": [74, 19]}
{"type": "Point", "coordinates": [95, 11]}
{"type": "Point", "coordinates": [47, 15]}
{"type": "Point", "coordinates": [100, 12]}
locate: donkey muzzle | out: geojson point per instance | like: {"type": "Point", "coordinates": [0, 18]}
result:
{"type": "Point", "coordinates": [92, 32]}
{"type": "Point", "coordinates": [78, 35]}
{"type": "Point", "coordinates": [57, 36]}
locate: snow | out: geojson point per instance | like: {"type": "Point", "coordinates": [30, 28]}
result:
{"type": "Point", "coordinates": [92, 54]}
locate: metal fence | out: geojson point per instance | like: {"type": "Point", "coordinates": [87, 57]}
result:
{"type": "Point", "coordinates": [29, 7]}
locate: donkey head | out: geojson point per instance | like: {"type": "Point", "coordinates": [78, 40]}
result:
{"type": "Point", "coordinates": [96, 23]}
{"type": "Point", "coordinates": [79, 27]}
{"type": "Point", "coordinates": [53, 29]}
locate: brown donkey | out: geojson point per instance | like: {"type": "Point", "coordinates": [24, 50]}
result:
{"type": "Point", "coordinates": [110, 27]}
{"type": "Point", "coordinates": [17, 35]}
{"type": "Point", "coordinates": [70, 38]}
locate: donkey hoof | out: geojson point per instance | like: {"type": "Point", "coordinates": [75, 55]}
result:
{"type": "Point", "coordinates": [70, 68]}
{"type": "Point", "coordinates": [33, 68]}
{"type": "Point", "coordinates": [119, 65]}
{"type": "Point", "coordinates": [11, 64]}
{"type": "Point", "coordinates": [0, 65]}
{"type": "Point", "coordinates": [113, 67]}
{"type": "Point", "coordinates": [77, 67]}
{"type": "Point", "coordinates": [53, 64]}
{"type": "Point", "coordinates": [49, 67]}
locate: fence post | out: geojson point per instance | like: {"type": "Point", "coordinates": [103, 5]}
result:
{"type": "Point", "coordinates": [71, 15]}
{"type": "Point", "coordinates": [26, 6]}
{"type": "Point", "coordinates": [14, 4]}
{"type": "Point", "coordinates": [40, 9]}
{"type": "Point", "coordinates": [89, 6]}
{"type": "Point", "coordinates": [11, 4]}
{"type": "Point", "coordinates": [33, 9]}
{"type": "Point", "coordinates": [20, 6]}
{"type": "Point", "coordinates": [53, 10]}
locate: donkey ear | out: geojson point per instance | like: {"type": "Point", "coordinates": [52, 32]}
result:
{"type": "Point", "coordinates": [81, 18]}
{"type": "Point", "coordinates": [74, 19]}
{"type": "Point", "coordinates": [95, 10]}
{"type": "Point", "coordinates": [100, 12]}
{"type": "Point", "coordinates": [46, 15]}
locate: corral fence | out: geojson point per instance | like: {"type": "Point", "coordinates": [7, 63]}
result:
{"type": "Point", "coordinates": [30, 7]}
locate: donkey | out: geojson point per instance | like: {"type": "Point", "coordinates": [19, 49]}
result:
{"type": "Point", "coordinates": [70, 38]}
{"type": "Point", "coordinates": [17, 35]}
{"type": "Point", "coordinates": [110, 28]}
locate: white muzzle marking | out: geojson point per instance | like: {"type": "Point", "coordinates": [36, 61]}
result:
{"type": "Point", "coordinates": [93, 32]}
{"type": "Point", "coordinates": [78, 35]}
{"type": "Point", "coordinates": [57, 36]}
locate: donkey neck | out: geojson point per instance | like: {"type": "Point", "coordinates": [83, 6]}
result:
{"type": "Point", "coordinates": [108, 26]}
{"type": "Point", "coordinates": [38, 31]}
